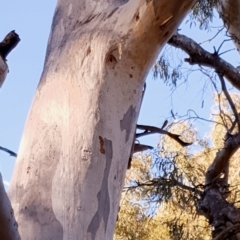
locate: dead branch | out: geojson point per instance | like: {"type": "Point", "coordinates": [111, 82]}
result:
{"type": "Point", "coordinates": [151, 130]}
{"type": "Point", "coordinates": [11, 153]}
{"type": "Point", "coordinates": [197, 55]}
{"type": "Point", "coordinates": [8, 44]}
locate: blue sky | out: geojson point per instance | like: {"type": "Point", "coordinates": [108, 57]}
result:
{"type": "Point", "coordinates": [32, 21]}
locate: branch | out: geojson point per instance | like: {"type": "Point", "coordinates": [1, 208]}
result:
{"type": "Point", "coordinates": [150, 130]}
{"type": "Point", "coordinates": [231, 231]}
{"type": "Point", "coordinates": [164, 181]}
{"type": "Point", "coordinates": [222, 158]}
{"type": "Point", "coordinates": [8, 151]}
{"type": "Point", "coordinates": [141, 147]}
{"type": "Point", "coordinates": [8, 44]}
{"type": "Point", "coordinates": [200, 56]}
{"type": "Point", "coordinates": [230, 101]}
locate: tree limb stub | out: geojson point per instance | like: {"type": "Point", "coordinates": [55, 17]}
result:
{"type": "Point", "coordinates": [197, 55]}
{"type": "Point", "coordinates": [6, 46]}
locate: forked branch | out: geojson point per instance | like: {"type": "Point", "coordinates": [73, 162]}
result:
{"type": "Point", "coordinates": [198, 55]}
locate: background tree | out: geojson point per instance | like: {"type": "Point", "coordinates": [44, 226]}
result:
{"type": "Point", "coordinates": [206, 179]}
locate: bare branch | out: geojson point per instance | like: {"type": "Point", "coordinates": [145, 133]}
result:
{"type": "Point", "coordinates": [230, 101]}
{"type": "Point", "coordinates": [141, 147]}
{"type": "Point", "coordinates": [150, 130]}
{"type": "Point", "coordinates": [200, 56]}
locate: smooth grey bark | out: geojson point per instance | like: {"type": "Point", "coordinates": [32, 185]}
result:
{"type": "Point", "coordinates": [77, 140]}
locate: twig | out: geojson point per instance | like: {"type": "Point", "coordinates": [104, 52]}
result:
{"type": "Point", "coordinates": [209, 40]}
{"type": "Point", "coordinates": [222, 44]}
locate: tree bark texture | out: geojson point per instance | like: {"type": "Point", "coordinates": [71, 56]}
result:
{"type": "Point", "coordinates": [8, 224]}
{"type": "Point", "coordinates": [229, 11]}
{"type": "Point", "coordinates": [76, 144]}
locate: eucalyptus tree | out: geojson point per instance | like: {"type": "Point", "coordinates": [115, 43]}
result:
{"type": "Point", "coordinates": [78, 136]}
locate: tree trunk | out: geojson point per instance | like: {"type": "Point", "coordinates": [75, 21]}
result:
{"type": "Point", "coordinates": [76, 144]}
{"type": "Point", "coordinates": [229, 11]}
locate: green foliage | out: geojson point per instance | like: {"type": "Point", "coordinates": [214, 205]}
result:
{"type": "Point", "coordinates": [163, 189]}
{"type": "Point", "coordinates": [165, 71]}
{"type": "Point", "coordinates": [169, 68]}
{"type": "Point", "coordinates": [203, 13]}
{"type": "Point", "coordinates": [165, 193]}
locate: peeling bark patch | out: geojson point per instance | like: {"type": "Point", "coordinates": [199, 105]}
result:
{"type": "Point", "coordinates": [127, 119]}
{"type": "Point", "coordinates": [103, 195]}
{"type": "Point", "coordinates": [101, 141]}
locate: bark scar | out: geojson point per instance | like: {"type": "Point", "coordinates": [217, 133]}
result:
{"type": "Point", "coordinates": [101, 141]}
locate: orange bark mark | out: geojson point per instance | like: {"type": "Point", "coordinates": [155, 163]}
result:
{"type": "Point", "coordinates": [101, 141]}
